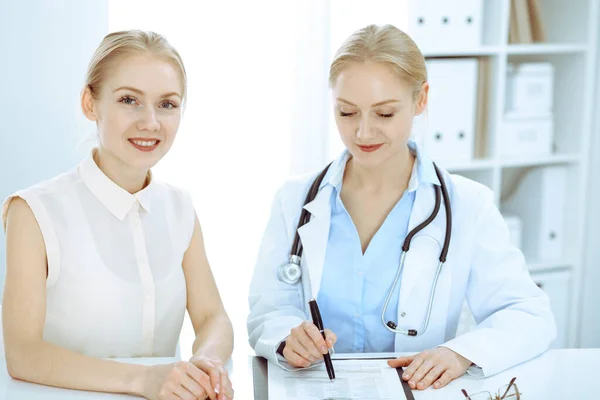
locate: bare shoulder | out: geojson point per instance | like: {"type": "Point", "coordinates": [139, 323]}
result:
{"type": "Point", "coordinates": [19, 213]}
{"type": "Point", "coordinates": [22, 229]}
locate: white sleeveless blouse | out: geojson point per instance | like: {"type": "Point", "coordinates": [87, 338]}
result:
{"type": "Point", "coordinates": [115, 285]}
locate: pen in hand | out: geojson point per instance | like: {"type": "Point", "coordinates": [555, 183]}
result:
{"type": "Point", "coordinates": [316, 317]}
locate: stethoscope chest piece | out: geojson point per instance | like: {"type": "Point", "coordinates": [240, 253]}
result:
{"type": "Point", "coordinates": [291, 272]}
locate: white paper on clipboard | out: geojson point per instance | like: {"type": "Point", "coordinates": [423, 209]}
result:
{"type": "Point", "coordinates": [355, 379]}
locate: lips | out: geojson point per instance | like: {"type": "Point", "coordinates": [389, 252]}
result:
{"type": "Point", "coordinates": [144, 144]}
{"type": "Point", "coordinates": [370, 148]}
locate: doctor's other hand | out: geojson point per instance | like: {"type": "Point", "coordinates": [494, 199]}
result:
{"type": "Point", "coordinates": [180, 380]}
{"type": "Point", "coordinates": [437, 366]}
{"type": "Point", "coordinates": [306, 345]}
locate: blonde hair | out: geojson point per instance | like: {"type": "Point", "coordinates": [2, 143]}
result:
{"type": "Point", "coordinates": [382, 44]}
{"type": "Point", "coordinates": [124, 43]}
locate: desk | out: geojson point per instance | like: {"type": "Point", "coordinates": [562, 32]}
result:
{"type": "Point", "coordinates": [557, 374]}
{"type": "Point", "coordinates": [11, 389]}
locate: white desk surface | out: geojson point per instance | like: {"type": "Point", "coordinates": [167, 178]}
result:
{"type": "Point", "coordinates": [557, 374]}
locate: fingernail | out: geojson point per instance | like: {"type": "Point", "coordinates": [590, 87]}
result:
{"type": "Point", "coordinates": [411, 383]}
{"type": "Point", "coordinates": [437, 384]}
{"type": "Point", "coordinates": [323, 349]}
{"type": "Point", "coordinates": [217, 388]}
{"type": "Point", "coordinates": [405, 376]}
{"type": "Point", "coordinates": [420, 385]}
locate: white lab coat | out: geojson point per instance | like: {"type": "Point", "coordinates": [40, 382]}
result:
{"type": "Point", "coordinates": [514, 319]}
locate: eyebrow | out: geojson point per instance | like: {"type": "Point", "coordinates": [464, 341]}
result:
{"type": "Point", "coordinates": [141, 93]}
{"type": "Point", "coordinates": [372, 105]}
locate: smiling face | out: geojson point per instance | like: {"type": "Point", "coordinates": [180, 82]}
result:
{"type": "Point", "coordinates": [374, 110]}
{"type": "Point", "coordinates": [137, 110]}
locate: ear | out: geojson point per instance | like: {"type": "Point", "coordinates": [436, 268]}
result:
{"type": "Point", "coordinates": [422, 99]}
{"type": "Point", "coordinates": [88, 104]}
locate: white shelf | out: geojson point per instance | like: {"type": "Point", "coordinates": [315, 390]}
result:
{"type": "Point", "coordinates": [545, 48]}
{"type": "Point", "coordinates": [476, 52]}
{"type": "Point", "coordinates": [474, 165]}
{"type": "Point", "coordinates": [511, 49]}
{"type": "Point", "coordinates": [485, 164]}
{"type": "Point", "coordinates": [535, 267]}
{"type": "Point", "coordinates": [541, 160]}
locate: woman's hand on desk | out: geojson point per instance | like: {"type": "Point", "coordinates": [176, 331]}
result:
{"type": "Point", "coordinates": [306, 345]}
{"type": "Point", "coordinates": [180, 380]}
{"type": "Point", "coordinates": [437, 366]}
{"type": "Point", "coordinates": [218, 375]}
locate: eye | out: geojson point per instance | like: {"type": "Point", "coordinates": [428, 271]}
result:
{"type": "Point", "coordinates": [390, 115]}
{"type": "Point", "coordinates": [168, 105]}
{"type": "Point", "coordinates": [343, 114]}
{"type": "Point", "coordinates": [127, 100]}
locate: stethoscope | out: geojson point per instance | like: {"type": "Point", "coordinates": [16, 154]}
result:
{"type": "Point", "coordinates": [291, 272]}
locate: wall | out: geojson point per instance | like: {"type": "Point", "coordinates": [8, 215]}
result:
{"type": "Point", "coordinates": [45, 47]}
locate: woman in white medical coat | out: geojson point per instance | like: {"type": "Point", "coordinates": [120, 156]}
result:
{"type": "Point", "coordinates": [377, 191]}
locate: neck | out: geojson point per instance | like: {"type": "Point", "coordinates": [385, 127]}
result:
{"type": "Point", "coordinates": [131, 179]}
{"type": "Point", "coordinates": [393, 173]}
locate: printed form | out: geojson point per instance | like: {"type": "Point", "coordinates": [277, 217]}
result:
{"type": "Point", "coordinates": [355, 379]}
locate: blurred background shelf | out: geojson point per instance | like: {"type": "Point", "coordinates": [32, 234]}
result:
{"type": "Point", "coordinates": [473, 52]}
{"type": "Point", "coordinates": [549, 266]}
{"type": "Point", "coordinates": [546, 48]}
{"type": "Point", "coordinates": [551, 159]}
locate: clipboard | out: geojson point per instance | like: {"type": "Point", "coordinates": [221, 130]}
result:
{"type": "Point", "coordinates": [260, 371]}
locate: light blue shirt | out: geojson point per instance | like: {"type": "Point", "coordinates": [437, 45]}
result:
{"type": "Point", "coordinates": [354, 285]}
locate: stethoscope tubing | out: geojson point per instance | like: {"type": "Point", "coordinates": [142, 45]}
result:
{"type": "Point", "coordinates": [297, 249]}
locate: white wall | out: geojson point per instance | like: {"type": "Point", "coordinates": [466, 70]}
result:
{"type": "Point", "coordinates": [45, 47]}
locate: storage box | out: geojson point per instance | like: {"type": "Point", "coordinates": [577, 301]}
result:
{"type": "Point", "coordinates": [539, 201]}
{"type": "Point", "coordinates": [459, 23]}
{"type": "Point", "coordinates": [556, 285]}
{"type": "Point", "coordinates": [450, 133]}
{"type": "Point", "coordinates": [529, 88]}
{"type": "Point", "coordinates": [526, 135]}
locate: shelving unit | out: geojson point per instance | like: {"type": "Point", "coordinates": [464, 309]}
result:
{"type": "Point", "coordinates": [571, 29]}
{"type": "Point", "coordinates": [545, 48]}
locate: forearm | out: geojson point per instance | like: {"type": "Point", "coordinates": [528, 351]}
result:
{"type": "Point", "coordinates": [47, 364]}
{"type": "Point", "coordinates": [215, 338]}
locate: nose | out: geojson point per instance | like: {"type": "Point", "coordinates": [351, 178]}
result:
{"type": "Point", "coordinates": [365, 130]}
{"type": "Point", "coordinates": [148, 121]}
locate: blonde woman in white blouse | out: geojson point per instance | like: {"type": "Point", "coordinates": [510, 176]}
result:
{"type": "Point", "coordinates": [103, 261]}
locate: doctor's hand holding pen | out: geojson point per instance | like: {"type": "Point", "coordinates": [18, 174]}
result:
{"type": "Point", "coordinates": [306, 345]}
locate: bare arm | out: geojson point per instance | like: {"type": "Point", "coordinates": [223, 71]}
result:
{"type": "Point", "coordinates": [214, 334]}
{"type": "Point", "coordinates": [28, 356]}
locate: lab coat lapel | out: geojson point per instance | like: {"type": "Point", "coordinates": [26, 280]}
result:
{"type": "Point", "coordinates": [314, 236]}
